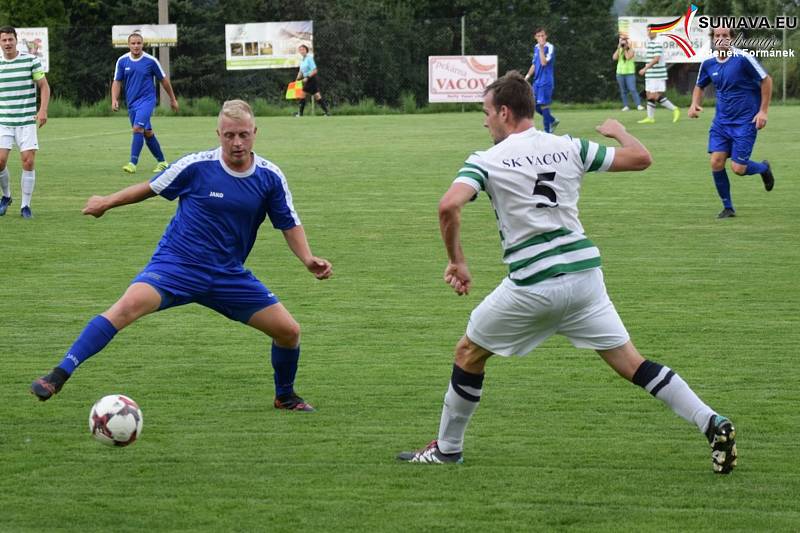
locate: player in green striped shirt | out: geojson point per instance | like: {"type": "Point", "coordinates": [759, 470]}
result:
{"type": "Point", "coordinates": [655, 79]}
{"type": "Point", "coordinates": [20, 76]}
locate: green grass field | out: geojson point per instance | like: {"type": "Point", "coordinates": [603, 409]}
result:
{"type": "Point", "coordinates": [559, 442]}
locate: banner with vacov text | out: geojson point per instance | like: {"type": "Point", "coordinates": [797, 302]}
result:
{"type": "Point", "coordinates": [459, 79]}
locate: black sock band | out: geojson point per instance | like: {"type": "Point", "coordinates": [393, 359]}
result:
{"type": "Point", "coordinates": [461, 380]}
{"type": "Point", "coordinates": [647, 375]}
{"type": "Point", "coordinates": [647, 372]}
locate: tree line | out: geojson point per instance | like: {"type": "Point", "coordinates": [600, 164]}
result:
{"type": "Point", "coordinates": [364, 48]}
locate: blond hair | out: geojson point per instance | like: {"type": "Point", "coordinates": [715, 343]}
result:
{"type": "Point", "coordinates": [237, 110]}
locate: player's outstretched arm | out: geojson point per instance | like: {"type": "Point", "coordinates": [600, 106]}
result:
{"type": "Point", "coordinates": [298, 244]}
{"type": "Point", "coordinates": [456, 273]}
{"type": "Point", "coordinates": [697, 99]}
{"type": "Point", "coordinates": [632, 154]}
{"type": "Point", "coordinates": [96, 206]}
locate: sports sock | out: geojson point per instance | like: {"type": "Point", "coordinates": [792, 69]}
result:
{"type": "Point", "coordinates": [755, 168]}
{"type": "Point", "coordinates": [4, 182]}
{"type": "Point", "coordinates": [667, 386]}
{"type": "Point", "coordinates": [651, 108]}
{"type": "Point", "coordinates": [666, 103]}
{"type": "Point", "coordinates": [27, 182]}
{"type": "Point", "coordinates": [154, 147]}
{"type": "Point", "coordinates": [284, 362]}
{"type": "Point", "coordinates": [323, 105]}
{"type": "Point", "coordinates": [94, 337]}
{"type": "Point", "coordinates": [723, 186]}
{"type": "Point", "coordinates": [460, 401]}
{"type": "Point", "coordinates": [548, 119]}
{"type": "Point", "coordinates": [302, 106]}
{"type": "Point", "coordinates": [136, 147]}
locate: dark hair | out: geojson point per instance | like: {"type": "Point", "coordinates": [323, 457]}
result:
{"type": "Point", "coordinates": [136, 34]}
{"type": "Point", "coordinates": [651, 26]}
{"type": "Point", "coordinates": [731, 30]}
{"type": "Point", "coordinates": [9, 29]}
{"type": "Point", "coordinates": [540, 29]}
{"type": "Point", "coordinates": [303, 46]}
{"type": "Point", "coordinates": [511, 90]}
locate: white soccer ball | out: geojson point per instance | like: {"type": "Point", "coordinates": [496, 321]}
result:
{"type": "Point", "coordinates": [115, 420]}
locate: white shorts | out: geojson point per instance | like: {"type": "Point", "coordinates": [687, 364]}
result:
{"type": "Point", "coordinates": [513, 320]}
{"type": "Point", "coordinates": [655, 86]}
{"type": "Point", "coordinates": [23, 136]}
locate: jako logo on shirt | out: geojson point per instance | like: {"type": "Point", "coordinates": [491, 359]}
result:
{"type": "Point", "coordinates": [216, 194]}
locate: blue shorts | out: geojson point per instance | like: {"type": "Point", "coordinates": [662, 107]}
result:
{"type": "Point", "coordinates": [543, 94]}
{"type": "Point", "coordinates": [736, 141]}
{"type": "Point", "coordinates": [140, 116]}
{"type": "Point", "coordinates": [237, 295]}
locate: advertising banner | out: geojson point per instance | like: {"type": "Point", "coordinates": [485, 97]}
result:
{"type": "Point", "coordinates": [260, 45]}
{"type": "Point", "coordinates": [459, 78]}
{"type": "Point", "coordinates": [675, 49]}
{"type": "Point", "coordinates": [34, 41]}
{"type": "Point", "coordinates": [153, 34]}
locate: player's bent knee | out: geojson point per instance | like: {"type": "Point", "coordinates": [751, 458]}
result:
{"type": "Point", "coordinates": [471, 357]}
{"type": "Point", "coordinates": [738, 169]}
{"type": "Point", "coordinates": [288, 336]}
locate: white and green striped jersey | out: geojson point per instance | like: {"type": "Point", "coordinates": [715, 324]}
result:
{"type": "Point", "coordinates": [533, 181]}
{"type": "Point", "coordinates": [659, 70]}
{"type": "Point", "coordinates": [18, 79]}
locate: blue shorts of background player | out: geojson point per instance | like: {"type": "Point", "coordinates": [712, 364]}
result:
{"type": "Point", "coordinates": [737, 141]}
{"type": "Point", "coordinates": [544, 97]}
{"type": "Point", "coordinates": [236, 295]}
{"type": "Point", "coordinates": [543, 94]}
{"type": "Point", "coordinates": [140, 116]}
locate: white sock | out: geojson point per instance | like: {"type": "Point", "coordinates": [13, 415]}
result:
{"type": "Point", "coordinates": [27, 183]}
{"type": "Point", "coordinates": [651, 109]}
{"type": "Point", "coordinates": [666, 103]}
{"type": "Point", "coordinates": [456, 414]}
{"type": "Point", "coordinates": [667, 386]}
{"type": "Point", "coordinates": [4, 182]}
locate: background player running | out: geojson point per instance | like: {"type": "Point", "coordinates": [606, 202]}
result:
{"type": "Point", "coordinates": [744, 90]}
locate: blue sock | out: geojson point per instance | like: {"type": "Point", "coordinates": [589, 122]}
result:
{"type": "Point", "coordinates": [136, 147]}
{"type": "Point", "coordinates": [284, 362]}
{"type": "Point", "coordinates": [154, 147]}
{"type": "Point", "coordinates": [94, 337]}
{"type": "Point", "coordinates": [755, 168]}
{"type": "Point", "coordinates": [548, 119]}
{"type": "Point", "coordinates": [723, 187]}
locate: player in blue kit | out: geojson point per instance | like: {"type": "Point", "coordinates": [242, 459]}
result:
{"type": "Point", "coordinates": [136, 71]}
{"type": "Point", "coordinates": [542, 66]}
{"type": "Point", "coordinates": [225, 195]}
{"type": "Point", "coordinates": [744, 90]}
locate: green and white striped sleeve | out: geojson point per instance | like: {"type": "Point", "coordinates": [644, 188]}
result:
{"type": "Point", "coordinates": [473, 173]}
{"type": "Point", "coordinates": [594, 157]}
{"type": "Point", "coordinates": [37, 71]}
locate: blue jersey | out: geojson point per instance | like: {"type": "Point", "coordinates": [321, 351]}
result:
{"type": "Point", "coordinates": [737, 80]}
{"type": "Point", "coordinates": [543, 75]}
{"type": "Point", "coordinates": [220, 210]}
{"type": "Point", "coordinates": [307, 65]}
{"type": "Point", "coordinates": [137, 76]}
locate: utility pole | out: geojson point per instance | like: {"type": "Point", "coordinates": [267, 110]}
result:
{"type": "Point", "coordinates": [163, 51]}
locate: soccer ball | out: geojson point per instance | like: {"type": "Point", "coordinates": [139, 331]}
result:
{"type": "Point", "coordinates": [115, 420]}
